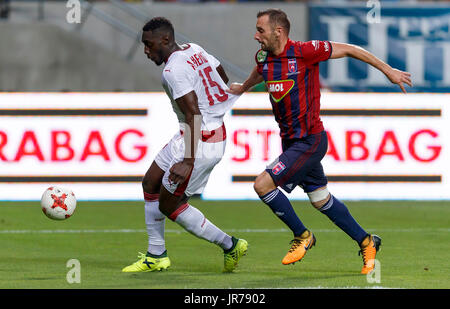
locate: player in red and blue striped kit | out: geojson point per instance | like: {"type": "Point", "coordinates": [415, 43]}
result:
{"type": "Point", "coordinates": [290, 70]}
{"type": "Point", "coordinates": [292, 79]}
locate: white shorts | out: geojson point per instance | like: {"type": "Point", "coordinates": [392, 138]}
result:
{"type": "Point", "coordinates": [207, 156]}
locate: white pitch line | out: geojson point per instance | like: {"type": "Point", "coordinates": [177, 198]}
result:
{"type": "Point", "coordinates": [332, 288]}
{"type": "Point", "coordinates": [175, 231]}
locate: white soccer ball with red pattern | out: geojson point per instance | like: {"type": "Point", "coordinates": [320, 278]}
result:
{"type": "Point", "coordinates": [58, 203]}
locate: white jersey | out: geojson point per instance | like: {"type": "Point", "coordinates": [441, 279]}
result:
{"type": "Point", "coordinates": [193, 69]}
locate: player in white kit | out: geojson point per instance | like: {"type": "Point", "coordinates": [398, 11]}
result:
{"type": "Point", "coordinates": [195, 83]}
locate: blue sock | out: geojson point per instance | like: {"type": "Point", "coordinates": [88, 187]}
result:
{"type": "Point", "coordinates": [339, 214]}
{"type": "Point", "coordinates": [281, 206]}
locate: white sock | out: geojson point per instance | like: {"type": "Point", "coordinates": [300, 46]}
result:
{"type": "Point", "coordinates": [155, 221]}
{"type": "Point", "coordinates": [193, 221]}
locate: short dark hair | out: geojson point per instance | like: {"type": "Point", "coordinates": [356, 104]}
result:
{"type": "Point", "coordinates": [276, 17]}
{"type": "Point", "coordinates": [159, 23]}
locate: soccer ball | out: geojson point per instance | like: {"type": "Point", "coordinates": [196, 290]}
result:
{"type": "Point", "coordinates": [58, 203]}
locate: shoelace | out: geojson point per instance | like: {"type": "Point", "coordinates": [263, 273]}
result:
{"type": "Point", "coordinates": [364, 252]}
{"type": "Point", "coordinates": [295, 243]}
{"type": "Point", "coordinates": [231, 255]}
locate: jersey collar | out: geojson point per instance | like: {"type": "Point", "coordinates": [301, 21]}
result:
{"type": "Point", "coordinates": [184, 47]}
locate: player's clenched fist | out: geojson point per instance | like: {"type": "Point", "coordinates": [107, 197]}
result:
{"type": "Point", "coordinates": [180, 171]}
{"type": "Point", "coordinates": [236, 88]}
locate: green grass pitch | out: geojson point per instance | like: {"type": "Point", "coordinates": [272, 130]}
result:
{"type": "Point", "coordinates": [106, 236]}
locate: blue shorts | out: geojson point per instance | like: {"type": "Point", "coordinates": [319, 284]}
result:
{"type": "Point", "coordinates": [299, 164]}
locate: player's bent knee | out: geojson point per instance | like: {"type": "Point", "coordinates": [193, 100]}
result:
{"type": "Point", "coordinates": [263, 184]}
{"type": "Point", "coordinates": [151, 182]}
{"type": "Point", "coordinates": [258, 184]}
{"type": "Point", "coordinates": [150, 187]}
{"type": "Point", "coordinates": [147, 183]}
{"type": "Point", "coordinates": [319, 197]}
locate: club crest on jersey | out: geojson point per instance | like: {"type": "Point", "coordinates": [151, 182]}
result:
{"type": "Point", "coordinates": [292, 65]}
{"type": "Point", "coordinates": [261, 56]}
{"type": "Point", "coordinates": [278, 89]}
{"type": "Point", "coordinates": [278, 168]}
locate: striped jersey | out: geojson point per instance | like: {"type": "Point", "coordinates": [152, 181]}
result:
{"type": "Point", "coordinates": [292, 79]}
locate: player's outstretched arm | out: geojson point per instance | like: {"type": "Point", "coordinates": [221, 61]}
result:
{"type": "Point", "coordinates": [253, 79]}
{"type": "Point", "coordinates": [340, 50]}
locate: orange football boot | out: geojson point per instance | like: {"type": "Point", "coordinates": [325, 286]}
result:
{"type": "Point", "coordinates": [369, 252]}
{"type": "Point", "coordinates": [299, 246]}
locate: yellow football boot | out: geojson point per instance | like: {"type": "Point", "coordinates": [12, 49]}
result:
{"type": "Point", "coordinates": [148, 263]}
{"type": "Point", "coordinates": [234, 254]}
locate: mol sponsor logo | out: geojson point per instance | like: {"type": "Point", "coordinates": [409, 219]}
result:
{"type": "Point", "coordinates": [279, 89]}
